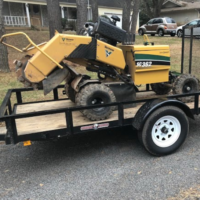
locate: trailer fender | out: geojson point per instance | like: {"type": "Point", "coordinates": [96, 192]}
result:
{"type": "Point", "coordinates": [83, 82]}
{"type": "Point", "coordinates": [149, 107]}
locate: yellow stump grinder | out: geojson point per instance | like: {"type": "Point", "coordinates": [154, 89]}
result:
{"type": "Point", "coordinates": [110, 52]}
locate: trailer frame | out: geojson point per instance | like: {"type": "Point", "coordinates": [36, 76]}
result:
{"type": "Point", "coordinates": [8, 115]}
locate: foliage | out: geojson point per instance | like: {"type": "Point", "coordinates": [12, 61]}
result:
{"type": "Point", "coordinates": [63, 22]}
{"type": "Point", "coordinates": [152, 7]}
{"type": "Point", "coordinates": [72, 25]}
{"type": "Point", "coordinates": [105, 16]}
{"type": "Point", "coordinates": [144, 18]}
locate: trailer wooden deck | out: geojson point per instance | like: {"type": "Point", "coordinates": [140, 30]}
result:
{"type": "Point", "coordinates": [50, 122]}
{"type": "Point", "coordinates": [3, 130]}
{"type": "Point", "coordinates": [58, 121]}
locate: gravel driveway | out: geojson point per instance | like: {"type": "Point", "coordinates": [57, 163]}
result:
{"type": "Point", "coordinates": [111, 165]}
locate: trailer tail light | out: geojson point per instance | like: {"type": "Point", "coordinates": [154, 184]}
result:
{"type": "Point", "coordinates": [165, 27]}
{"type": "Point", "coordinates": [94, 127]}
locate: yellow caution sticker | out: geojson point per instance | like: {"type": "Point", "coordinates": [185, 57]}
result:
{"type": "Point", "coordinates": [27, 143]}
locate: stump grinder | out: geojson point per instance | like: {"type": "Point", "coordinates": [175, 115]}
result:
{"type": "Point", "coordinates": [108, 51]}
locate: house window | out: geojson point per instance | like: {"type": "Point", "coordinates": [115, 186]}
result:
{"type": "Point", "coordinates": [36, 9]}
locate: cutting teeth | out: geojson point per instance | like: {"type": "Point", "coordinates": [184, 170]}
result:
{"type": "Point", "coordinates": [18, 64]}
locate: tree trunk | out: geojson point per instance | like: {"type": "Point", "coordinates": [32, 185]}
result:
{"type": "Point", "coordinates": [81, 14]}
{"type": "Point", "coordinates": [157, 6]}
{"type": "Point", "coordinates": [135, 15]}
{"type": "Point", "coordinates": [4, 67]}
{"type": "Point", "coordinates": [54, 15]}
{"type": "Point", "coordinates": [153, 7]}
{"type": "Point", "coordinates": [95, 10]}
{"type": "Point", "coordinates": [126, 4]}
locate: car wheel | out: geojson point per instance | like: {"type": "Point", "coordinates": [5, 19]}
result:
{"type": "Point", "coordinates": [141, 32]}
{"type": "Point", "coordinates": [179, 33]}
{"type": "Point", "coordinates": [160, 32]}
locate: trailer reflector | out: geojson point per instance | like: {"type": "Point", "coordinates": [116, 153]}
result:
{"type": "Point", "coordinates": [27, 143]}
{"type": "Point", "coordinates": [94, 127]}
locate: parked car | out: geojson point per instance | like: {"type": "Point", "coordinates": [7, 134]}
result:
{"type": "Point", "coordinates": [196, 32]}
{"type": "Point", "coordinates": [161, 26]}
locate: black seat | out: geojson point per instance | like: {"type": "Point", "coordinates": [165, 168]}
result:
{"type": "Point", "coordinates": [116, 18]}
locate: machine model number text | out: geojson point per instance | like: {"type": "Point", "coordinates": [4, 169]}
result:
{"type": "Point", "coordinates": [144, 64]}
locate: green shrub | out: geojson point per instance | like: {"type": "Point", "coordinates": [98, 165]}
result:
{"type": "Point", "coordinates": [63, 22]}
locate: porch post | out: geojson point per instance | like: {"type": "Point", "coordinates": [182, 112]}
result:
{"type": "Point", "coordinates": [28, 14]}
{"type": "Point", "coordinates": [62, 12]}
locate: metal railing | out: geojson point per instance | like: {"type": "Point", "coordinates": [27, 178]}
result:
{"type": "Point", "coordinates": [191, 36]}
{"type": "Point", "coordinates": [71, 20]}
{"type": "Point", "coordinates": [15, 21]}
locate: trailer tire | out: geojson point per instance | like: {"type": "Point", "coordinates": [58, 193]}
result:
{"type": "Point", "coordinates": [94, 94]}
{"type": "Point", "coordinates": [164, 131]}
{"type": "Point", "coordinates": [184, 84]}
{"type": "Point", "coordinates": [160, 88]}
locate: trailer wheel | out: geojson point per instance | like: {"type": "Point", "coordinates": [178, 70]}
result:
{"type": "Point", "coordinates": [95, 94]}
{"type": "Point", "coordinates": [164, 131]}
{"type": "Point", "coordinates": [185, 84]}
{"type": "Point", "coordinates": [70, 92]}
{"type": "Point", "coordinates": [160, 88]}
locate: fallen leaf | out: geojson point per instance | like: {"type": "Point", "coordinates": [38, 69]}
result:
{"type": "Point", "coordinates": [41, 185]}
{"type": "Point", "coordinates": [139, 172]}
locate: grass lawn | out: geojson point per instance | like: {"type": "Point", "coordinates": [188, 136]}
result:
{"type": "Point", "coordinates": [8, 80]}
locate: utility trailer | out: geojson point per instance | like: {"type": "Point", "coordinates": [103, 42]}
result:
{"type": "Point", "coordinates": [161, 122]}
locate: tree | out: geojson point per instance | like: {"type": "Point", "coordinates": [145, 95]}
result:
{"type": "Point", "coordinates": [95, 10]}
{"type": "Point", "coordinates": [54, 15]}
{"type": "Point", "coordinates": [127, 7]}
{"type": "Point", "coordinates": [129, 22]}
{"type": "Point", "coordinates": [134, 19]}
{"type": "Point", "coordinates": [4, 67]}
{"type": "Point", "coordinates": [152, 7]}
{"type": "Point", "coordinates": [81, 14]}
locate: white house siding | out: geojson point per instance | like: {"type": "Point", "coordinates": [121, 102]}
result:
{"type": "Point", "coordinates": [112, 11]}
{"type": "Point", "coordinates": [182, 17]}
